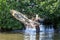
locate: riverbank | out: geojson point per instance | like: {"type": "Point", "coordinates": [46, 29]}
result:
{"type": "Point", "coordinates": [13, 32]}
{"type": "Point", "coordinates": [22, 31]}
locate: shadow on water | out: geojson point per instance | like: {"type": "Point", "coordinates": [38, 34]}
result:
{"type": "Point", "coordinates": [44, 34]}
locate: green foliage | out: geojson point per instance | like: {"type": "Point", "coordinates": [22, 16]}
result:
{"type": "Point", "coordinates": [6, 20]}
{"type": "Point", "coordinates": [45, 8]}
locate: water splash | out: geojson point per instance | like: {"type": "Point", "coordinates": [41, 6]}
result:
{"type": "Point", "coordinates": [44, 34]}
{"type": "Point", "coordinates": [30, 34]}
{"type": "Point", "coordinates": [42, 28]}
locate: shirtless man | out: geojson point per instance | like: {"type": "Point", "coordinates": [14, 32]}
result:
{"type": "Point", "coordinates": [29, 23]}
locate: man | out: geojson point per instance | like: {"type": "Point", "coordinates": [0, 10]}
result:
{"type": "Point", "coordinates": [29, 23]}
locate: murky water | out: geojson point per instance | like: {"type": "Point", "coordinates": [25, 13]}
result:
{"type": "Point", "coordinates": [30, 34]}
{"type": "Point", "coordinates": [44, 34]}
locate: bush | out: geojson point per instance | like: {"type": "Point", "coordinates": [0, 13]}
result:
{"type": "Point", "coordinates": [46, 9]}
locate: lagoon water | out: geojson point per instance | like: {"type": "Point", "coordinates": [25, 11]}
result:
{"type": "Point", "coordinates": [44, 34]}
{"type": "Point", "coordinates": [30, 34]}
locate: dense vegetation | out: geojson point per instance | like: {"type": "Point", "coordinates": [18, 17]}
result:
{"type": "Point", "coordinates": [48, 9]}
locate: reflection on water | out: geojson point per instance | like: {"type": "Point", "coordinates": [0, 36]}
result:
{"type": "Point", "coordinates": [42, 28]}
{"type": "Point", "coordinates": [44, 34]}
{"type": "Point", "coordinates": [30, 34]}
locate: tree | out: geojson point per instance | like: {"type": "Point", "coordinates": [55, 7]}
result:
{"type": "Point", "coordinates": [45, 8]}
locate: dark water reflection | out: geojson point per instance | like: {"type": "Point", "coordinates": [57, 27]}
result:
{"type": "Point", "coordinates": [39, 36]}
{"type": "Point", "coordinates": [44, 34]}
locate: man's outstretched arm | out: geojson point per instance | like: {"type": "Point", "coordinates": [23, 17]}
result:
{"type": "Point", "coordinates": [19, 16]}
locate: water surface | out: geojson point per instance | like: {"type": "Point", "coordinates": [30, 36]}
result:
{"type": "Point", "coordinates": [40, 36]}
{"type": "Point", "coordinates": [30, 34]}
